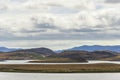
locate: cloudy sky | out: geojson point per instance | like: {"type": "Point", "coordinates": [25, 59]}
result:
{"type": "Point", "coordinates": [59, 24]}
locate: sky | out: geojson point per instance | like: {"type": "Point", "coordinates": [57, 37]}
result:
{"type": "Point", "coordinates": [59, 24]}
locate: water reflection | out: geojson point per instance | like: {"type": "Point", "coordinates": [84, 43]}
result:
{"type": "Point", "coordinates": [40, 76]}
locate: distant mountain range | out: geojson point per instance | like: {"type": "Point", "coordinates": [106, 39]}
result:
{"type": "Point", "coordinates": [5, 49]}
{"type": "Point", "coordinates": [115, 48]}
{"type": "Point", "coordinates": [76, 54]}
{"type": "Point", "coordinates": [95, 48]}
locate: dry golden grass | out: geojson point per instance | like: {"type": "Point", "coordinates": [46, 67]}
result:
{"type": "Point", "coordinates": [115, 58]}
{"type": "Point", "coordinates": [60, 68]}
{"type": "Point", "coordinates": [54, 60]}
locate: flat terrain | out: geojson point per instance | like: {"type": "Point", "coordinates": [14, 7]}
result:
{"type": "Point", "coordinates": [60, 68]}
{"type": "Point", "coordinates": [58, 60]}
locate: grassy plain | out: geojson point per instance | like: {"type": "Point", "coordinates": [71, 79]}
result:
{"type": "Point", "coordinates": [60, 68]}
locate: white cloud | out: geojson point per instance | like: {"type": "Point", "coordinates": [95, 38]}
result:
{"type": "Point", "coordinates": [59, 20]}
{"type": "Point", "coordinates": [56, 44]}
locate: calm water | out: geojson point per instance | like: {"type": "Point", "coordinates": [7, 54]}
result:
{"type": "Point", "coordinates": [26, 62]}
{"type": "Point", "coordinates": [43, 76]}
{"type": "Point", "coordinates": [40, 76]}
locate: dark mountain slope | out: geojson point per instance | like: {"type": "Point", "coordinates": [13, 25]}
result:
{"type": "Point", "coordinates": [42, 51]}
{"type": "Point", "coordinates": [35, 53]}
{"type": "Point", "coordinates": [95, 55]}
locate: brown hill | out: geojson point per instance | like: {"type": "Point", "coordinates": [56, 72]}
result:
{"type": "Point", "coordinates": [44, 54]}
{"type": "Point", "coordinates": [35, 53]}
{"type": "Point", "coordinates": [42, 51]}
{"type": "Point", "coordinates": [96, 55]}
{"type": "Point", "coordinates": [70, 55]}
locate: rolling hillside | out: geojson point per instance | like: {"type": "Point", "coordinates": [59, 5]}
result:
{"type": "Point", "coordinates": [43, 54]}
{"type": "Point", "coordinates": [95, 55]}
{"type": "Point", "coordinates": [48, 55]}
{"type": "Point", "coordinates": [35, 53]}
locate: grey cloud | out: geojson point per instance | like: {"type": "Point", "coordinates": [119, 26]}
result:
{"type": "Point", "coordinates": [30, 31]}
{"type": "Point", "coordinates": [44, 25]}
{"type": "Point", "coordinates": [116, 22]}
{"type": "Point", "coordinates": [113, 1]}
{"type": "Point", "coordinates": [81, 25]}
{"type": "Point", "coordinates": [63, 36]}
{"type": "Point", "coordinates": [19, 0]}
{"type": "Point", "coordinates": [3, 7]}
{"type": "Point", "coordinates": [86, 30]}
